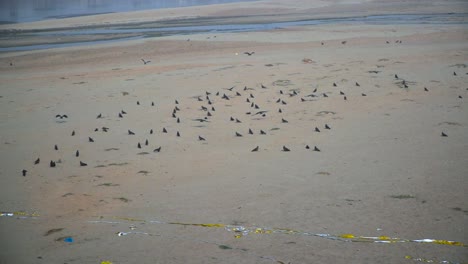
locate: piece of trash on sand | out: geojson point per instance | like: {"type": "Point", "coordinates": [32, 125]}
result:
{"type": "Point", "coordinates": [306, 60]}
{"type": "Point", "coordinates": [68, 239]}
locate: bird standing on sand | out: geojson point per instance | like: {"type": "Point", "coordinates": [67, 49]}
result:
{"type": "Point", "coordinates": [37, 161]}
{"type": "Point", "coordinates": [90, 139]}
{"type": "Point", "coordinates": [24, 172]}
{"type": "Point", "coordinates": [77, 154]}
{"type": "Point", "coordinates": [255, 149]}
{"type": "Point", "coordinates": [52, 164]}
{"type": "Point", "coordinates": [286, 149]}
{"type": "Point", "coordinates": [201, 138]}
{"type": "Point", "coordinates": [444, 135]}
{"type": "Point", "coordinates": [131, 132]}
{"type": "Point", "coordinates": [82, 164]}
{"type": "Point", "coordinates": [145, 61]}
{"type": "Point", "coordinates": [157, 149]}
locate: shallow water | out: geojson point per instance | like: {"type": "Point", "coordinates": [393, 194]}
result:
{"type": "Point", "coordinates": [14, 11]}
{"type": "Point", "coordinates": [149, 31]}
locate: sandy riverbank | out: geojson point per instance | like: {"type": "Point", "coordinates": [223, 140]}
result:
{"type": "Point", "coordinates": [383, 168]}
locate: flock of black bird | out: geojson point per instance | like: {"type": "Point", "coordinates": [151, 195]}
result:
{"type": "Point", "coordinates": [208, 101]}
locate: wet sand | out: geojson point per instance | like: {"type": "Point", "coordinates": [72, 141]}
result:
{"type": "Point", "coordinates": [383, 168]}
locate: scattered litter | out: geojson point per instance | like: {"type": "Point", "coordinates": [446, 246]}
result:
{"type": "Point", "coordinates": [19, 214]}
{"type": "Point", "coordinates": [430, 260]}
{"type": "Point", "coordinates": [306, 60]}
{"type": "Point", "coordinates": [106, 262]}
{"type": "Point", "coordinates": [68, 239]}
{"type": "Point", "coordinates": [241, 231]}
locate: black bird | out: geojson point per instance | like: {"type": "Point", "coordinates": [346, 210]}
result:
{"type": "Point", "coordinates": [105, 129]}
{"type": "Point", "coordinates": [199, 99]}
{"type": "Point", "coordinates": [283, 102]}
{"type": "Point", "coordinates": [178, 120]}
{"type": "Point", "coordinates": [151, 131]}
{"type": "Point", "coordinates": [207, 93]}
{"type": "Point", "coordinates": [327, 127]}
{"type": "Point", "coordinates": [56, 147]}
{"type": "Point", "coordinates": [325, 95]}
{"type": "Point", "coordinates": [260, 113]}
{"type": "Point", "coordinates": [396, 76]}
{"type": "Point", "coordinates": [230, 89]}
{"type": "Point", "coordinates": [99, 116]}
{"type": "Point", "coordinates": [201, 120]}
{"type": "Point", "coordinates": [249, 53]}
{"type": "Point", "coordinates": [251, 96]}
{"type": "Point", "coordinates": [286, 149]}
{"type": "Point", "coordinates": [316, 149]}
{"type": "Point", "coordinates": [334, 84]}
{"type": "Point", "coordinates": [307, 147]}
{"type": "Point", "coordinates": [176, 108]}
{"type": "Point", "coordinates": [208, 113]}
{"type": "Point", "coordinates": [279, 100]}
{"type": "Point", "coordinates": [152, 103]}
{"type": "Point", "coordinates": [454, 74]}
{"type": "Point", "coordinates": [245, 88]}
{"type": "Point", "coordinates": [238, 121]}
{"type": "Point", "coordinates": [225, 97]}
{"type": "Point", "coordinates": [157, 149]}
{"type": "Point", "coordinates": [82, 164]}
{"type": "Point", "coordinates": [317, 129]}
{"type": "Point", "coordinates": [164, 130]}
{"type": "Point", "coordinates": [263, 86]}
{"type": "Point", "coordinates": [357, 84]}
{"type": "Point", "coordinates": [238, 94]}
{"type": "Point", "coordinates": [426, 90]}
{"type": "Point", "coordinates": [139, 145]}
{"type": "Point", "coordinates": [96, 129]}
{"type": "Point", "coordinates": [238, 135]}
{"type": "Point", "coordinates": [120, 115]}
{"type": "Point", "coordinates": [262, 132]}
{"type": "Point", "coordinates": [77, 154]}
{"type": "Point", "coordinates": [315, 90]}
{"type": "Point", "coordinates": [130, 132]}
{"type": "Point", "coordinates": [250, 131]}
{"type": "Point", "coordinates": [343, 42]}
{"type": "Point", "coordinates": [406, 86]}
{"type": "Point", "coordinates": [138, 102]}
{"type": "Point", "coordinates": [37, 161]}
{"type": "Point", "coordinates": [52, 164]}
{"type": "Point", "coordinates": [280, 111]}
{"type": "Point", "coordinates": [252, 104]}
{"type": "Point", "coordinates": [444, 135]}
{"type": "Point", "coordinates": [345, 98]}
{"type": "Point", "coordinates": [284, 120]}
{"type": "Point", "coordinates": [173, 115]}
{"type": "Point", "coordinates": [363, 94]}
{"type": "Point", "coordinates": [123, 112]}
{"type": "Point", "coordinates": [281, 91]}
{"type": "Point", "coordinates": [201, 139]}
{"type": "Point", "coordinates": [302, 99]}
{"type": "Point", "coordinates": [256, 106]}
{"type": "Point", "coordinates": [61, 116]}
{"type": "Point", "coordinates": [24, 173]}
{"type": "Point", "coordinates": [178, 134]}
{"type": "Point", "coordinates": [73, 133]}
{"type": "Point", "coordinates": [217, 93]}
{"type": "Point", "coordinates": [213, 109]}
{"type": "Point", "coordinates": [248, 113]}
{"type": "Point", "coordinates": [90, 139]}
{"type": "Point", "coordinates": [341, 93]}
{"type": "Point", "coordinates": [145, 62]}
{"type": "Point", "coordinates": [247, 100]}
{"type": "Point", "coordinates": [232, 119]}
{"type": "Point", "coordinates": [255, 149]}
{"type": "Point", "coordinates": [460, 97]}
{"type": "Point", "coordinates": [146, 142]}
{"type": "Point", "coordinates": [176, 102]}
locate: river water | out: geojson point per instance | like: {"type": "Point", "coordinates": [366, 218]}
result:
{"type": "Point", "coordinates": [14, 11]}
{"type": "Point", "coordinates": [143, 30]}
